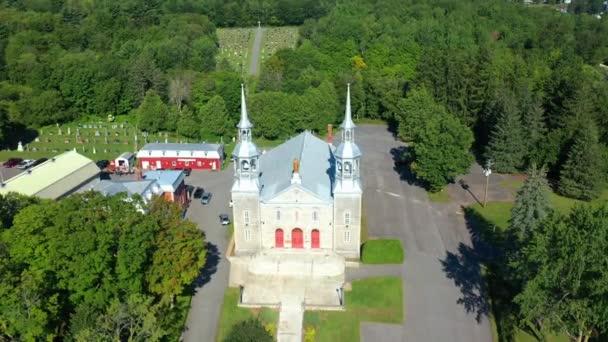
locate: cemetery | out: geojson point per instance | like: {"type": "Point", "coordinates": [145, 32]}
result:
{"type": "Point", "coordinates": [236, 44]}
{"type": "Point", "coordinates": [97, 140]}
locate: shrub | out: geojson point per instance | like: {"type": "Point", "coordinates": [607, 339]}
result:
{"type": "Point", "coordinates": [250, 330]}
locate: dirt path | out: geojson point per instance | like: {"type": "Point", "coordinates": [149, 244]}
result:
{"type": "Point", "coordinates": [254, 68]}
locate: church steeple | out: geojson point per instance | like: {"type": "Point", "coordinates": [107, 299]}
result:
{"type": "Point", "coordinates": [348, 125]}
{"type": "Point", "coordinates": [347, 155]}
{"type": "Point", "coordinates": [245, 154]}
{"type": "Point", "coordinates": [244, 123]}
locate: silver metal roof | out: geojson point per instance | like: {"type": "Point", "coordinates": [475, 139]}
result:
{"type": "Point", "coordinates": [348, 117]}
{"type": "Point", "coordinates": [244, 123]}
{"type": "Point", "coordinates": [112, 187]}
{"type": "Point", "coordinates": [348, 150]}
{"type": "Point", "coordinates": [316, 167]}
{"type": "Point", "coordinates": [181, 147]}
{"type": "Point", "coordinates": [245, 149]}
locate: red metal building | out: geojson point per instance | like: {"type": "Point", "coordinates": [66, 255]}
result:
{"type": "Point", "coordinates": [181, 156]}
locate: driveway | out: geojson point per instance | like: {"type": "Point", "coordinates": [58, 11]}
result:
{"type": "Point", "coordinates": [444, 292]}
{"type": "Point", "coordinates": [204, 314]}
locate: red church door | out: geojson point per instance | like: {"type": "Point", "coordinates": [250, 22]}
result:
{"type": "Point", "coordinates": [297, 238]}
{"type": "Point", "coordinates": [278, 238]}
{"type": "Point", "coordinates": [316, 239]}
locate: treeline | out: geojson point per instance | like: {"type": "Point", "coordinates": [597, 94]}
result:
{"type": "Point", "coordinates": [90, 268]}
{"type": "Point", "coordinates": [524, 80]}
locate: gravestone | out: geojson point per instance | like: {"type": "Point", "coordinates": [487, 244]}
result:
{"type": "Point", "coordinates": [69, 131]}
{"type": "Point", "coordinates": [19, 147]}
{"type": "Point", "coordinates": [37, 139]}
{"type": "Point", "coordinates": [97, 133]}
{"type": "Point", "coordinates": [94, 150]}
{"type": "Point", "coordinates": [59, 132]}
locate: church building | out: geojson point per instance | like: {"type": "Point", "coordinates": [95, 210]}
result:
{"type": "Point", "coordinates": [296, 213]}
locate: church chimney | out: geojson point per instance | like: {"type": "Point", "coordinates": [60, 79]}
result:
{"type": "Point", "coordinates": [330, 132]}
{"type": "Point", "coordinates": [295, 178]}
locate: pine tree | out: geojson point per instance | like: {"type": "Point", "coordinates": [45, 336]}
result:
{"type": "Point", "coordinates": [214, 118]}
{"type": "Point", "coordinates": [581, 176]}
{"type": "Point", "coordinates": [531, 205]}
{"type": "Point", "coordinates": [507, 146]}
{"type": "Point", "coordinates": [535, 129]}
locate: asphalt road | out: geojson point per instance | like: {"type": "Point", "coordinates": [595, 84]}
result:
{"type": "Point", "coordinates": [204, 314]}
{"type": "Point", "coordinates": [444, 295]}
{"type": "Point", "coordinates": [255, 53]}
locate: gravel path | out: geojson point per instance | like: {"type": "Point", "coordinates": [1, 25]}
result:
{"type": "Point", "coordinates": [254, 68]}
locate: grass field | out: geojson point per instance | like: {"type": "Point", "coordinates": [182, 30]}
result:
{"type": "Point", "coordinates": [384, 251]}
{"type": "Point", "coordinates": [371, 300]}
{"type": "Point", "coordinates": [232, 314]}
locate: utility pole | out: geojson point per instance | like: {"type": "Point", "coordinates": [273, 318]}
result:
{"type": "Point", "coordinates": [487, 171]}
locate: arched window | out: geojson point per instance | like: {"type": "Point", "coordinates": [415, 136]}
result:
{"type": "Point", "coordinates": [245, 165]}
{"type": "Point", "coordinates": [253, 165]}
{"type": "Point", "coordinates": [347, 169]}
{"type": "Point", "coordinates": [339, 168]}
{"type": "Point", "coordinates": [347, 135]}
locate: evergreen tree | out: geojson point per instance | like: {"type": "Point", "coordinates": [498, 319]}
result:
{"type": "Point", "coordinates": [187, 124]}
{"type": "Point", "coordinates": [531, 205]}
{"type": "Point", "coordinates": [214, 118]}
{"type": "Point", "coordinates": [152, 113]}
{"type": "Point", "coordinates": [581, 175]}
{"type": "Point", "coordinates": [535, 130]}
{"type": "Point", "coordinates": [507, 146]}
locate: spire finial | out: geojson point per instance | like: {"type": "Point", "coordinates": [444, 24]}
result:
{"type": "Point", "coordinates": [348, 120]}
{"type": "Point", "coordinates": [244, 123]}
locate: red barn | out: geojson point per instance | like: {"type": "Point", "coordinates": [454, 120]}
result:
{"type": "Point", "coordinates": [181, 156]}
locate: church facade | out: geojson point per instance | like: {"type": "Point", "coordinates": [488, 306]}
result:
{"type": "Point", "coordinates": [297, 220]}
{"type": "Point", "coordinates": [304, 196]}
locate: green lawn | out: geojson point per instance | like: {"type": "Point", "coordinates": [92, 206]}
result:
{"type": "Point", "coordinates": [371, 300]}
{"type": "Point", "coordinates": [441, 196]}
{"type": "Point", "coordinates": [384, 251]}
{"type": "Point", "coordinates": [232, 314]}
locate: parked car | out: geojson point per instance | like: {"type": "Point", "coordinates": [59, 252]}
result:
{"type": "Point", "coordinates": [224, 219]}
{"type": "Point", "coordinates": [40, 161]}
{"type": "Point", "coordinates": [206, 198]}
{"type": "Point", "coordinates": [102, 164]}
{"type": "Point", "coordinates": [25, 164]}
{"type": "Point", "coordinates": [187, 171]}
{"type": "Point", "coordinates": [198, 193]}
{"type": "Point", "coordinates": [12, 162]}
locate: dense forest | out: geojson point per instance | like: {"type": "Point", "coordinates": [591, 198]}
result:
{"type": "Point", "coordinates": [524, 80]}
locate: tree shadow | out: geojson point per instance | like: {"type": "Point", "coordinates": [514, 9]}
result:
{"type": "Point", "coordinates": [19, 133]}
{"type": "Point", "coordinates": [467, 187]}
{"type": "Point", "coordinates": [466, 267]}
{"type": "Point", "coordinates": [401, 165]}
{"type": "Point", "coordinates": [212, 260]}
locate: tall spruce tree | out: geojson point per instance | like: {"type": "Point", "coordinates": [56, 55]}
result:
{"type": "Point", "coordinates": [507, 146]}
{"type": "Point", "coordinates": [535, 130]}
{"type": "Point", "coordinates": [581, 175]}
{"type": "Point", "coordinates": [531, 205]}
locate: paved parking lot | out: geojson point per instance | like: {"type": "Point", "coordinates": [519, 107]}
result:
{"type": "Point", "coordinates": [207, 301]}
{"type": "Point", "coordinates": [8, 173]}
